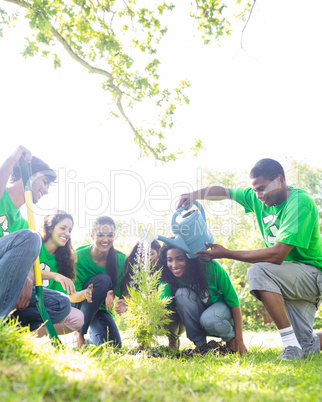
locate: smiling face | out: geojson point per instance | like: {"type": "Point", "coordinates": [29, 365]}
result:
{"type": "Point", "coordinates": [103, 237]}
{"type": "Point", "coordinates": [40, 186]}
{"type": "Point", "coordinates": [62, 232]}
{"type": "Point", "coordinates": [176, 262]}
{"type": "Point", "coordinates": [270, 192]}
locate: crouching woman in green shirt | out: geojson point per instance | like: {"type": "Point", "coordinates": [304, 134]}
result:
{"type": "Point", "coordinates": [101, 265]}
{"type": "Point", "coordinates": [204, 298]}
{"type": "Point", "coordinates": [57, 263]}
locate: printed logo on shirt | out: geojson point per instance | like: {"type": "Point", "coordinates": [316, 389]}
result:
{"type": "Point", "coordinates": [272, 228]}
{"type": "Point", "coordinates": [205, 298]}
{"type": "Point", "coordinates": [45, 267]}
{"type": "Point", "coordinates": [4, 225]}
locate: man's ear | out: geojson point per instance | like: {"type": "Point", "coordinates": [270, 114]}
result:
{"type": "Point", "coordinates": [280, 178]}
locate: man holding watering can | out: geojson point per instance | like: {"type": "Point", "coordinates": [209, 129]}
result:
{"type": "Point", "coordinates": [286, 275]}
{"type": "Point", "coordinates": [19, 247]}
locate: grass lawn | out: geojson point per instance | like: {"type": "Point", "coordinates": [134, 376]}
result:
{"type": "Point", "coordinates": [33, 370]}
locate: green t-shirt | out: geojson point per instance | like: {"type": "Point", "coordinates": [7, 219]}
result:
{"type": "Point", "coordinates": [294, 222]}
{"type": "Point", "coordinates": [220, 287]}
{"type": "Point", "coordinates": [48, 263]}
{"type": "Point", "coordinates": [11, 219]}
{"type": "Point", "coordinates": [86, 268]}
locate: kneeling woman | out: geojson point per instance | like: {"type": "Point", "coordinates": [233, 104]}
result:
{"type": "Point", "coordinates": [101, 265]}
{"type": "Point", "coordinates": [204, 297]}
{"type": "Point", "coordinates": [57, 261]}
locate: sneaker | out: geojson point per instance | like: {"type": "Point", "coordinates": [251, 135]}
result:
{"type": "Point", "coordinates": [315, 349]}
{"type": "Point", "coordinates": [310, 352]}
{"type": "Point", "coordinates": [292, 353]}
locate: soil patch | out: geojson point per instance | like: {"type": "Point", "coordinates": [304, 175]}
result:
{"type": "Point", "coordinates": [212, 347]}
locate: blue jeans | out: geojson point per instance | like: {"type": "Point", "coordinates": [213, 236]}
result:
{"type": "Point", "coordinates": [18, 252]}
{"type": "Point", "coordinates": [57, 305]}
{"type": "Point", "coordinates": [98, 329]}
{"type": "Point", "coordinates": [97, 320]}
{"type": "Point", "coordinates": [202, 321]}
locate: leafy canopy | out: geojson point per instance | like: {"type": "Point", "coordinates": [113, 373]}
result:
{"type": "Point", "coordinates": [119, 40]}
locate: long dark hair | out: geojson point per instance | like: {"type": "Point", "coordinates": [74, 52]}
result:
{"type": "Point", "coordinates": [65, 256]}
{"type": "Point", "coordinates": [194, 275]}
{"type": "Point", "coordinates": [111, 268]}
{"type": "Point", "coordinates": [130, 262]}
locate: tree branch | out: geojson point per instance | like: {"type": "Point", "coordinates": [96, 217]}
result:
{"type": "Point", "coordinates": [95, 70]}
{"type": "Point", "coordinates": [250, 14]}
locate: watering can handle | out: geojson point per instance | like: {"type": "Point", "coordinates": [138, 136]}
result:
{"type": "Point", "coordinates": [179, 210]}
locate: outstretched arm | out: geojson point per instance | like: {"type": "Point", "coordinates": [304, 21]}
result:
{"type": "Point", "coordinates": [8, 165]}
{"type": "Point", "coordinates": [67, 284]}
{"type": "Point", "coordinates": [213, 193]}
{"type": "Point", "coordinates": [275, 254]}
{"type": "Point", "coordinates": [69, 287]}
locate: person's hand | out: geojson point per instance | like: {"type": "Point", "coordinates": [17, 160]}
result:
{"type": "Point", "coordinates": [216, 251]}
{"type": "Point", "coordinates": [22, 151]}
{"type": "Point", "coordinates": [67, 284]}
{"type": "Point", "coordinates": [109, 299]}
{"type": "Point", "coordinates": [121, 306]}
{"type": "Point", "coordinates": [88, 293]}
{"type": "Point", "coordinates": [186, 199]}
{"type": "Point", "coordinates": [25, 296]}
{"type": "Point", "coordinates": [237, 345]}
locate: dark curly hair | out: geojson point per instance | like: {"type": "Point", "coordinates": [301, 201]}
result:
{"type": "Point", "coordinates": [65, 256]}
{"type": "Point", "coordinates": [195, 273]}
{"type": "Point", "coordinates": [130, 262]}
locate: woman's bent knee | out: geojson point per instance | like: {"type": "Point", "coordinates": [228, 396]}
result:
{"type": "Point", "coordinates": [75, 320]}
{"type": "Point", "coordinates": [102, 281]}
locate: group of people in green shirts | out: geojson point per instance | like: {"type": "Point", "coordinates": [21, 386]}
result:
{"type": "Point", "coordinates": [80, 285]}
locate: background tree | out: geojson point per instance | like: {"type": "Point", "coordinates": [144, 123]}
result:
{"type": "Point", "coordinates": [119, 40]}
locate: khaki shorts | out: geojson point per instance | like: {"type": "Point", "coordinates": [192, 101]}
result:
{"type": "Point", "coordinates": [300, 285]}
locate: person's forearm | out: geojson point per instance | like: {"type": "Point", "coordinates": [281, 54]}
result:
{"type": "Point", "coordinates": [238, 322]}
{"type": "Point", "coordinates": [275, 254]}
{"type": "Point", "coordinates": [212, 193]}
{"type": "Point", "coordinates": [5, 173]}
{"type": "Point", "coordinates": [47, 274]}
{"type": "Point", "coordinates": [270, 254]}
{"type": "Point", "coordinates": [31, 275]}
{"type": "Point", "coordinates": [7, 167]}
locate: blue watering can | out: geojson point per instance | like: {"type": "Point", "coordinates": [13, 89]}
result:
{"type": "Point", "coordinates": [191, 233]}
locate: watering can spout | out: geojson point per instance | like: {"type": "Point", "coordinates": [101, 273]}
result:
{"type": "Point", "coordinates": [177, 242]}
{"type": "Point", "coordinates": [147, 236]}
